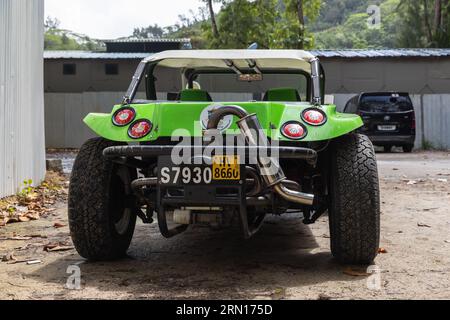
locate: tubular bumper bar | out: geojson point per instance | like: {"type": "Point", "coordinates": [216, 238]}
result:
{"type": "Point", "coordinates": [309, 155]}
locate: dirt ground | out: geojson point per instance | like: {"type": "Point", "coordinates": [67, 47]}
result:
{"type": "Point", "coordinates": [287, 260]}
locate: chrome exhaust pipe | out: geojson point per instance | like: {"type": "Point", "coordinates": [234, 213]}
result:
{"type": "Point", "coordinates": [269, 167]}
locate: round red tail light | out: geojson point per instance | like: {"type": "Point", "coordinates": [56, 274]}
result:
{"type": "Point", "coordinates": [314, 117]}
{"type": "Point", "coordinates": [124, 116]}
{"type": "Point", "coordinates": [294, 130]}
{"type": "Point", "coordinates": [139, 129]}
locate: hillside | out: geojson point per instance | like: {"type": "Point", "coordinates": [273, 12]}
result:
{"type": "Point", "coordinates": [343, 24]}
{"type": "Point", "coordinates": [329, 24]}
{"type": "Point", "coordinates": [336, 12]}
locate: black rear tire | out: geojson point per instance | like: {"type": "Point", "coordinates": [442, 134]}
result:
{"type": "Point", "coordinates": [354, 211]}
{"type": "Point", "coordinates": [101, 225]}
{"type": "Point", "coordinates": [408, 148]}
{"type": "Point", "coordinates": [387, 149]}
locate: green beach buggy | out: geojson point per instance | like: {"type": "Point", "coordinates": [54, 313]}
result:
{"type": "Point", "coordinates": [237, 135]}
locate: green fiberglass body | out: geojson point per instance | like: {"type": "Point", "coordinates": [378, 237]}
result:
{"type": "Point", "coordinates": [169, 117]}
{"type": "Point", "coordinates": [237, 135]}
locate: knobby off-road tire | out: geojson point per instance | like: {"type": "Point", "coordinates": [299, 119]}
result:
{"type": "Point", "coordinates": [355, 200]}
{"type": "Point", "coordinates": [100, 224]}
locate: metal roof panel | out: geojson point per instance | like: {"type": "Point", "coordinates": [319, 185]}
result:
{"type": "Point", "coordinates": [346, 54]}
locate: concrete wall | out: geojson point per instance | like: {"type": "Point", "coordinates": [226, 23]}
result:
{"type": "Point", "coordinates": [22, 147]}
{"type": "Point", "coordinates": [413, 75]}
{"type": "Point", "coordinates": [65, 111]}
{"type": "Point", "coordinates": [90, 77]}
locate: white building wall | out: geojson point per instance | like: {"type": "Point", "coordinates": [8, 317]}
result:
{"type": "Point", "coordinates": [22, 143]}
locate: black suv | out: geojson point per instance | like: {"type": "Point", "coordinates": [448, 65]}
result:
{"type": "Point", "coordinates": [389, 118]}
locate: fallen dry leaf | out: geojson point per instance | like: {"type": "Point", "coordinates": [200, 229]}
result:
{"type": "Point", "coordinates": [24, 219]}
{"type": "Point", "coordinates": [355, 273]}
{"type": "Point", "coordinates": [50, 246]}
{"type": "Point", "coordinates": [60, 248]}
{"type": "Point", "coordinates": [382, 250]}
{"type": "Point", "coordinates": [37, 236]}
{"type": "Point", "coordinates": [278, 294]}
{"type": "Point", "coordinates": [423, 225]}
{"type": "Point", "coordinates": [58, 225]}
{"type": "Point", "coordinates": [324, 297]}
{"type": "Point", "coordinates": [32, 206]}
{"type": "Point", "coordinates": [17, 238]}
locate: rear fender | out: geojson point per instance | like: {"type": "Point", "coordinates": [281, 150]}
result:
{"type": "Point", "coordinates": [168, 118]}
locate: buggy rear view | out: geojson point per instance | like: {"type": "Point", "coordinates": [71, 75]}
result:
{"type": "Point", "coordinates": [196, 157]}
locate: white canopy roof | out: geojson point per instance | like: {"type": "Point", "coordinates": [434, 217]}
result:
{"type": "Point", "coordinates": [265, 59]}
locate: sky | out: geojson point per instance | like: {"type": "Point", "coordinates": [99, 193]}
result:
{"type": "Point", "coordinates": [110, 19]}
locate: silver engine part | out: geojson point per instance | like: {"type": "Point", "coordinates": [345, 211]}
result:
{"type": "Point", "coordinates": [269, 167]}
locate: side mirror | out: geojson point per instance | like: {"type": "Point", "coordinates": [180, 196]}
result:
{"type": "Point", "coordinates": [329, 99]}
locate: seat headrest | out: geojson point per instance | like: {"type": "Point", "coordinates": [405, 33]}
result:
{"type": "Point", "coordinates": [282, 94]}
{"type": "Point", "coordinates": [194, 95]}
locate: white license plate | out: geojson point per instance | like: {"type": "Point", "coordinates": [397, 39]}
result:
{"type": "Point", "coordinates": [387, 128]}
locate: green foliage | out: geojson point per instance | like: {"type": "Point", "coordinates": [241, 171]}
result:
{"type": "Point", "coordinates": [428, 145]}
{"type": "Point", "coordinates": [27, 188]}
{"type": "Point", "coordinates": [154, 31]}
{"type": "Point", "coordinates": [59, 39]}
{"type": "Point", "coordinates": [426, 23]}
{"type": "Point", "coordinates": [290, 30]}
{"type": "Point", "coordinates": [355, 33]}
{"type": "Point", "coordinates": [56, 41]}
{"type": "Point", "coordinates": [336, 12]}
{"type": "Point", "coordinates": [241, 23]}
{"type": "Point", "coordinates": [270, 23]}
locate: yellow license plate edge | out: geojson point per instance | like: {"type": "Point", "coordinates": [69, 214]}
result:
{"type": "Point", "coordinates": [226, 167]}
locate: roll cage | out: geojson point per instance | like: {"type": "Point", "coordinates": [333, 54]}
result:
{"type": "Point", "coordinates": [315, 77]}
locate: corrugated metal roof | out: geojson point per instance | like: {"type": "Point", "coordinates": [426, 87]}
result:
{"type": "Point", "coordinates": [380, 53]}
{"type": "Point", "coordinates": [346, 54]}
{"type": "Point", "coordinates": [161, 40]}
{"type": "Point", "coordinates": [93, 55]}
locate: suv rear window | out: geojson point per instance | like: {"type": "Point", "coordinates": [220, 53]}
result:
{"type": "Point", "coordinates": [386, 103]}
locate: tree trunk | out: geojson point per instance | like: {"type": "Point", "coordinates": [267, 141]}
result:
{"type": "Point", "coordinates": [301, 20]}
{"type": "Point", "coordinates": [437, 16]}
{"type": "Point", "coordinates": [427, 22]}
{"type": "Point", "coordinates": [215, 30]}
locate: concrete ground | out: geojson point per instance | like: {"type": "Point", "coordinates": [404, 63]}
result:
{"type": "Point", "coordinates": [286, 260]}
